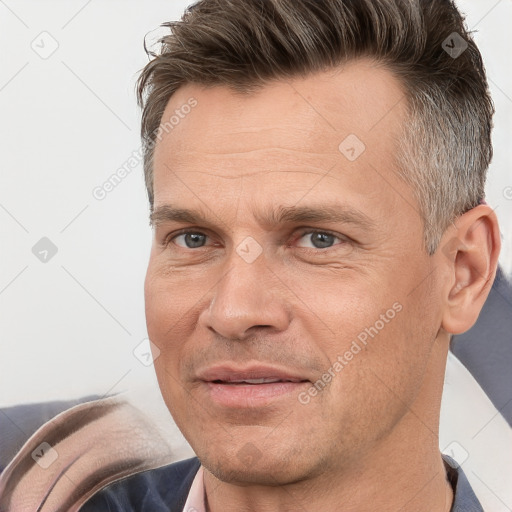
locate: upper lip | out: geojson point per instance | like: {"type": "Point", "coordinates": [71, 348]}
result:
{"type": "Point", "coordinates": [227, 373]}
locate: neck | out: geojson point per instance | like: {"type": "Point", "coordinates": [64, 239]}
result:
{"type": "Point", "coordinates": [402, 472]}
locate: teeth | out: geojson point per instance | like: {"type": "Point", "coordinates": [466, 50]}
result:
{"type": "Point", "coordinates": [256, 381]}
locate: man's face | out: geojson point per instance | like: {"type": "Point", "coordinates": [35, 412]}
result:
{"type": "Point", "coordinates": [297, 254]}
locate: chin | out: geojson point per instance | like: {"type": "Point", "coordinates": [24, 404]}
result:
{"type": "Point", "coordinates": [237, 473]}
{"type": "Point", "coordinates": [247, 466]}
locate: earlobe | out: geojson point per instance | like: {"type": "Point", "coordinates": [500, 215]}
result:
{"type": "Point", "coordinates": [469, 252]}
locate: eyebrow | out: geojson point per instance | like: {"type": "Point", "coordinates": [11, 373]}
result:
{"type": "Point", "coordinates": [276, 217]}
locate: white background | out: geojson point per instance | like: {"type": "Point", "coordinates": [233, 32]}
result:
{"type": "Point", "coordinates": [68, 327]}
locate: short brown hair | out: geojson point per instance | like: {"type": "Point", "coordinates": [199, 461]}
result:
{"type": "Point", "coordinates": [445, 148]}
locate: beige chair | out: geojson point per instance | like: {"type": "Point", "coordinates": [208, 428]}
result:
{"type": "Point", "coordinates": [78, 452]}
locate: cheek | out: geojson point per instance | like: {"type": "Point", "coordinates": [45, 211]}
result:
{"type": "Point", "coordinates": [380, 337]}
{"type": "Point", "coordinates": [388, 373]}
{"type": "Point", "coordinates": [340, 310]}
{"type": "Point", "coordinates": [170, 299]}
{"type": "Point", "coordinates": [166, 308]}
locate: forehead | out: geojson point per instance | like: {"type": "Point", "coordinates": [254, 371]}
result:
{"type": "Point", "coordinates": [291, 126]}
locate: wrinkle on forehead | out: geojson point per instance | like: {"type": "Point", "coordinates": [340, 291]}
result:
{"type": "Point", "coordinates": [284, 140]}
{"type": "Point", "coordinates": [300, 114]}
{"type": "Point", "coordinates": [285, 125]}
{"type": "Point", "coordinates": [262, 172]}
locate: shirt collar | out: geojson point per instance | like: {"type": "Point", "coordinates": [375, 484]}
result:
{"type": "Point", "coordinates": [196, 495]}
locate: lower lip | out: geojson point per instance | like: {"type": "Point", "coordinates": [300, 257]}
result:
{"type": "Point", "coordinates": [251, 395]}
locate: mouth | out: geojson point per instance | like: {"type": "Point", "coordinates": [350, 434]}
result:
{"type": "Point", "coordinates": [262, 380]}
{"type": "Point", "coordinates": [250, 387]}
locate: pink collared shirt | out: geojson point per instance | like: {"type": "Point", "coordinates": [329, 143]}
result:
{"type": "Point", "coordinates": [195, 498]}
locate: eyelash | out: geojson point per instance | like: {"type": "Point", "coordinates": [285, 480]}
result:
{"type": "Point", "coordinates": [304, 232]}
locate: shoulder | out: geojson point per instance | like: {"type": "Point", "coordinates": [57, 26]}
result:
{"type": "Point", "coordinates": [161, 489]}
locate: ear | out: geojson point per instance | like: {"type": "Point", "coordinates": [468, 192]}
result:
{"type": "Point", "coordinates": [469, 253]}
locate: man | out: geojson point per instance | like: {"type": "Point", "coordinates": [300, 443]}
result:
{"type": "Point", "coordinates": [315, 172]}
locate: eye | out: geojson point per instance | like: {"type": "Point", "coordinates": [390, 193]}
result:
{"type": "Point", "coordinates": [318, 239]}
{"type": "Point", "coordinates": [308, 239]}
{"type": "Point", "coordinates": [190, 239]}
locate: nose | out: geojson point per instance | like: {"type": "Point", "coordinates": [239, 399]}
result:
{"type": "Point", "coordinates": [248, 296]}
